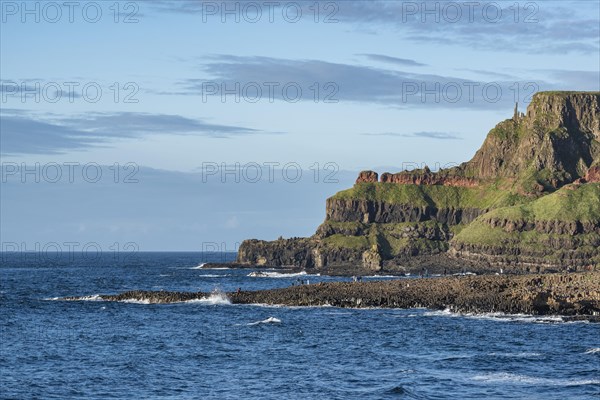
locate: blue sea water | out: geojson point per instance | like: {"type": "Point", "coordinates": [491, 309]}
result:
{"type": "Point", "coordinates": [52, 349]}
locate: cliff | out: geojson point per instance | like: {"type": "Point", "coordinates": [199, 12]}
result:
{"type": "Point", "coordinates": [529, 200]}
{"type": "Point", "coordinates": [554, 144]}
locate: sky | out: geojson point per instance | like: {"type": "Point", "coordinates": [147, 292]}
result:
{"type": "Point", "coordinates": [193, 125]}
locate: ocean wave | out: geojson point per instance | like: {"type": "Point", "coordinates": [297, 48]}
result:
{"type": "Point", "coordinates": [215, 298]}
{"type": "Point", "coordinates": [506, 377]}
{"type": "Point", "coordinates": [213, 275]}
{"type": "Point", "coordinates": [268, 274]}
{"type": "Point", "coordinates": [135, 301]}
{"type": "Point", "coordinates": [503, 317]}
{"type": "Point", "coordinates": [270, 320]}
{"type": "Point", "coordinates": [287, 307]}
{"type": "Point", "coordinates": [94, 297]}
{"type": "Point", "coordinates": [593, 350]}
{"type": "Point", "coordinates": [201, 266]}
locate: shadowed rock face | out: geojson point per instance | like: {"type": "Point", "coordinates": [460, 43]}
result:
{"type": "Point", "coordinates": [559, 135]}
{"type": "Point", "coordinates": [550, 294]}
{"type": "Point", "coordinates": [341, 210]}
{"type": "Point", "coordinates": [554, 145]}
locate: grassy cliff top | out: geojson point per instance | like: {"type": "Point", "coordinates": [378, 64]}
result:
{"type": "Point", "coordinates": [565, 93]}
{"type": "Point", "coordinates": [571, 203]}
{"type": "Point", "coordinates": [493, 195]}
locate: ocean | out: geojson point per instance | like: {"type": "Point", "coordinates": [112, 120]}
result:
{"type": "Point", "coordinates": [54, 349]}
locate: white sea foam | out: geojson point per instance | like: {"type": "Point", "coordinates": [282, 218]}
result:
{"type": "Point", "coordinates": [508, 378]}
{"type": "Point", "coordinates": [94, 297]}
{"type": "Point", "coordinates": [217, 297]}
{"type": "Point", "coordinates": [270, 320]}
{"type": "Point", "coordinates": [502, 317]}
{"type": "Point", "coordinates": [201, 266]}
{"type": "Point", "coordinates": [263, 305]}
{"type": "Point", "coordinates": [269, 274]}
{"type": "Point", "coordinates": [213, 275]}
{"type": "Point", "coordinates": [441, 313]}
{"type": "Point", "coordinates": [593, 350]}
{"type": "Point", "coordinates": [135, 301]}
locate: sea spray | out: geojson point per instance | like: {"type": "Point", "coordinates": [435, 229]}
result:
{"type": "Point", "coordinates": [216, 297]}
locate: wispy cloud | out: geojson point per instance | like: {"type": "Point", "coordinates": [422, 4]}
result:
{"type": "Point", "coordinates": [535, 27]}
{"type": "Point", "coordinates": [531, 27]}
{"type": "Point", "coordinates": [427, 135]}
{"type": "Point", "coordinates": [393, 60]}
{"type": "Point", "coordinates": [365, 84]}
{"type": "Point", "coordinates": [30, 133]}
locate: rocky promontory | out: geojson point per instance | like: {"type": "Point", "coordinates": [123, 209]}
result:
{"type": "Point", "coordinates": [575, 294]}
{"type": "Point", "coordinates": [528, 201]}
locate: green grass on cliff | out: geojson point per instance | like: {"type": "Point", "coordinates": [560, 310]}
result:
{"type": "Point", "coordinates": [486, 197]}
{"type": "Point", "coordinates": [347, 242]}
{"type": "Point", "coordinates": [392, 239]}
{"type": "Point", "coordinates": [564, 93]}
{"type": "Point", "coordinates": [571, 203]}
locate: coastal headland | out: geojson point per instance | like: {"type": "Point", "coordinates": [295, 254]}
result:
{"type": "Point", "coordinates": [527, 202]}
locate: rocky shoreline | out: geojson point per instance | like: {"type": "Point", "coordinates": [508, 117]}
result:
{"type": "Point", "coordinates": [573, 295]}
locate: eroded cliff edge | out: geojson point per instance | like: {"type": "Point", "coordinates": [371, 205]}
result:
{"type": "Point", "coordinates": [528, 201]}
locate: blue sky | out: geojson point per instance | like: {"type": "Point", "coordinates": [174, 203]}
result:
{"type": "Point", "coordinates": [180, 88]}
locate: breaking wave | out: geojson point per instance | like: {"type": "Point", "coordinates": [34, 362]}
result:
{"type": "Point", "coordinates": [217, 297]}
{"type": "Point", "coordinates": [269, 274]}
{"type": "Point", "coordinates": [94, 297]}
{"type": "Point", "coordinates": [508, 378]}
{"type": "Point", "coordinates": [270, 320]}
{"type": "Point", "coordinates": [593, 350]}
{"type": "Point", "coordinates": [135, 301]}
{"type": "Point", "coordinates": [503, 317]}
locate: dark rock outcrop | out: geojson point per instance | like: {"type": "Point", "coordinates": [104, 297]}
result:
{"type": "Point", "coordinates": [551, 294]}
{"type": "Point", "coordinates": [380, 212]}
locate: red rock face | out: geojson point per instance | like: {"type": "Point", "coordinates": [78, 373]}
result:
{"type": "Point", "coordinates": [367, 177]}
{"type": "Point", "coordinates": [593, 174]}
{"type": "Point", "coordinates": [407, 178]}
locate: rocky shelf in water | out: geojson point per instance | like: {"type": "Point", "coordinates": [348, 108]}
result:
{"type": "Point", "coordinates": [576, 295]}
